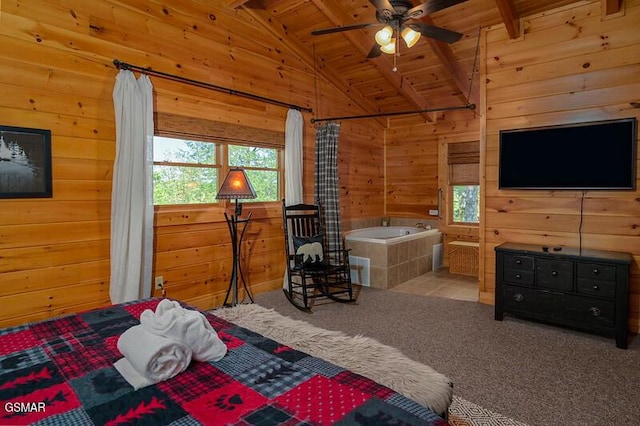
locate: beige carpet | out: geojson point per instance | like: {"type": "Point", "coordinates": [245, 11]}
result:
{"type": "Point", "coordinates": [369, 358]}
{"type": "Point", "coordinates": [535, 373]}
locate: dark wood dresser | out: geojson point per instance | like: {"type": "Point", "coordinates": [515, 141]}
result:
{"type": "Point", "coordinates": [586, 290]}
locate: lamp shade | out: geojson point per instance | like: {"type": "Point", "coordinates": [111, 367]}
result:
{"type": "Point", "coordinates": [390, 47]}
{"type": "Point", "coordinates": [384, 35]}
{"type": "Point", "coordinates": [236, 185]}
{"type": "Point", "coordinates": [410, 36]}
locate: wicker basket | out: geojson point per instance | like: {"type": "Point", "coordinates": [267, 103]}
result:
{"type": "Point", "coordinates": [463, 257]}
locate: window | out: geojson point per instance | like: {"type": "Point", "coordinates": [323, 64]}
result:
{"type": "Point", "coordinates": [188, 171]}
{"type": "Point", "coordinates": [184, 171]}
{"type": "Point", "coordinates": [464, 177]}
{"type": "Point", "coordinates": [192, 156]}
{"type": "Point", "coordinates": [261, 165]}
{"type": "Point", "coordinates": [466, 203]}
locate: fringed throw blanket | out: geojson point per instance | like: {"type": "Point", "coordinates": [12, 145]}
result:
{"type": "Point", "coordinates": [360, 354]}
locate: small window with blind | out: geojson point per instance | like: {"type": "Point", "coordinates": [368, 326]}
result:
{"type": "Point", "coordinates": [192, 156]}
{"type": "Point", "coordinates": [464, 182]}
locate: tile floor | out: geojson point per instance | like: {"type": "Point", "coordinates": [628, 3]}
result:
{"type": "Point", "coordinates": [442, 283]}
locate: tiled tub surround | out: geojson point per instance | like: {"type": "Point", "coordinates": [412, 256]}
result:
{"type": "Point", "coordinates": [394, 260]}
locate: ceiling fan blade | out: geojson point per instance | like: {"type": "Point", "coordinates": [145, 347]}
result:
{"type": "Point", "coordinates": [430, 6]}
{"type": "Point", "coordinates": [374, 52]}
{"type": "Point", "coordinates": [437, 33]}
{"type": "Point", "coordinates": [384, 7]}
{"type": "Point", "coordinates": [343, 28]}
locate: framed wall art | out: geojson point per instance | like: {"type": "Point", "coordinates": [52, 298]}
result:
{"type": "Point", "coordinates": [25, 163]}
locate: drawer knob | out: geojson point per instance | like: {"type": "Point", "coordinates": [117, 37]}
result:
{"type": "Point", "coordinates": [518, 297]}
{"type": "Point", "coordinates": [518, 276]}
{"type": "Point", "coordinates": [518, 262]}
{"type": "Point", "coordinates": [554, 273]}
{"type": "Point", "coordinates": [596, 271]}
{"type": "Point", "coordinates": [595, 287]}
{"type": "Point", "coordinates": [596, 312]}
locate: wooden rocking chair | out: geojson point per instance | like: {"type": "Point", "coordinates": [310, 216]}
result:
{"type": "Point", "coordinates": [312, 270]}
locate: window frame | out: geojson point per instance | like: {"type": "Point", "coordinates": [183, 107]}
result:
{"type": "Point", "coordinates": [279, 168]}
{"type": "Point", "coordinates": [444, 182]}
{"type": "Point", "coordinates": [450, 219]}
{"type": "Point", "coordinates": [223, 167]}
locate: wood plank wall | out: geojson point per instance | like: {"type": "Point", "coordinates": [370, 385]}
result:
{"type": "Point", "coordinates": [572, 65]}
{"type": "Point", "coordinates": [56, 73]}
{"type": "Point", "coordinates": [411, 156]}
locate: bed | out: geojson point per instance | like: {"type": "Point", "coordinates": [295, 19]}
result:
{"type": "Point", "coordinates": [60, 372]}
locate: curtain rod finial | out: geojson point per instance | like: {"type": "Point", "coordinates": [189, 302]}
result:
{"type": "Point", "coordinates": [121, 65]}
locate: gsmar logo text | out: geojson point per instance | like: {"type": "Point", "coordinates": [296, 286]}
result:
{"type": "Point", "coordinates": [24, 407]}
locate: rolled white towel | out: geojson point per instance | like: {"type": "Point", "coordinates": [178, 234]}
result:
{"type": "Point", "coordinates": [190, 327]}
{"type": "Point", "coordinates": [149, 358]}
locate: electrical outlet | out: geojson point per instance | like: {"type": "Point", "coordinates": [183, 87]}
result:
{"type": "Point", "coordinates": [159, 282]}
{"type": "Point", "coordinates": [433, 212]}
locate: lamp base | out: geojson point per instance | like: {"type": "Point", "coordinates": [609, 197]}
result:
{"type": "Point", "coordinates": [236, 272]}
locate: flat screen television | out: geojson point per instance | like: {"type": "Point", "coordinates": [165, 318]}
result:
{"type": "Point", "coordinates": [587, 156]}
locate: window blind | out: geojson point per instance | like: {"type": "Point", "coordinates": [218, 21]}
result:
{"type": "Point", "coordinates": [178, 126]}
{"type": "Point", "coordinates": [464, 163]}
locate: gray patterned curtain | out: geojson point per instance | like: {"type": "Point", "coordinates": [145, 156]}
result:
{"type": "Point", "coordinates": [326, 189]}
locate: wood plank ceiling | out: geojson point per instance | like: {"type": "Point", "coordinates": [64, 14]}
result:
{"type": "Point", "coordinates": [430, 75]}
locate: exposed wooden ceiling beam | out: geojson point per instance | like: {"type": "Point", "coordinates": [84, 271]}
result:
{"type": "Point", "coordinates": [610, 7]}
{"type": "Point", "coordinates": [363, 44]}
{"type": "Point", "coordinates": [264, 19]}
{"type": "Point", "coordinates": [234, 4]}
{"type": "Point", "coordinates": [509, 17]}
{"type": "Point", "coordinates": [459, 76]}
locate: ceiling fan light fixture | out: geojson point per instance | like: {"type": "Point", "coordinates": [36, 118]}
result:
{"type": "Point", "coordinates": [384, 36]}
{"type": "Point", "coordinates": [410, 36]}
{"type": "Point", "coordinates": [389, 48]}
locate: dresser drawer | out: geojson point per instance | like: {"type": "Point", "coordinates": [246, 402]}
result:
{"type": "Point", "coordinates": [519, 277]}
{"type": "Point", "coordinates": [521, 263]}
{"type": "Point", "coordinates": [598, 272]}
{"type": "Point", "coordinates": [528, 300]}
{"type": "Point", "coordinates": [554, 274]}
{"type": "Point", "coordinates": [590, 311]}
{"type": "Point", "coordinates": [596, 288]}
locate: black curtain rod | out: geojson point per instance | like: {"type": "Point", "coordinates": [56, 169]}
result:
{"type": "Point", "coordinates": [149, 71]}
{"type": "Point", "coordinates": [389, 114]}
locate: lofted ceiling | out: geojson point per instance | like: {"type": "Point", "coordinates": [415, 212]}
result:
{"type": "Point", "coordinates": [430, 75]}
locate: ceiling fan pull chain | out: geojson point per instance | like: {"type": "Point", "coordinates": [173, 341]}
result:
{"type": "Point", "coordinates": [396, 54]}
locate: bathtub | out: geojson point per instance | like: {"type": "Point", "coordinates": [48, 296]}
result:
{"type": "Point", "coordinates": [383, 257]}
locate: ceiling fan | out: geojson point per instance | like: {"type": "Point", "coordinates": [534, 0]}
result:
{"type": "Point", "coordinates": [397, 19]}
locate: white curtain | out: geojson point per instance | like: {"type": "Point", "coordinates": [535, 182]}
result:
{"type": "Point", "coordinates": [293, 158]}
{"type": "Point", "coordinates": [132, 192]}
{"type": "Point", "coordinates": [293, 163]}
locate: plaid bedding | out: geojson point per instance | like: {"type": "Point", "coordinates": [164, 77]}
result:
{"type": "Point", "coordinates": [60, 372]}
